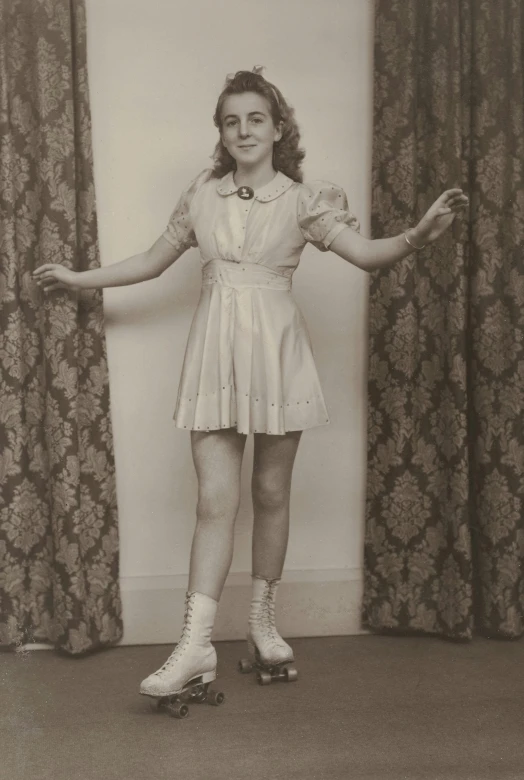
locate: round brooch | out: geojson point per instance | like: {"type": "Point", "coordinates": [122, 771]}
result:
{"type": "Point", "coordinates": [245, 193]}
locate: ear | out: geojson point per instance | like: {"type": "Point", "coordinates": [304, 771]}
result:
{"type": "Point", "coordinates": [278, 131]}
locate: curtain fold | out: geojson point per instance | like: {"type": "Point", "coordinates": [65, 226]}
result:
{"type": "Point", "coordinates": [58, 510]}
{"type": "Point", "coordinates": [444, 542]}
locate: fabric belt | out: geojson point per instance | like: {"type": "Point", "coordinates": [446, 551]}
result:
{"type": "Point", "coordinates": [239, 275]}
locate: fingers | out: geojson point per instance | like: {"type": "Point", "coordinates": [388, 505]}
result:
{"type": "Point", "coordinates": [45, 281]}
{"type": "Point", "coordinates": [453, 193]}
{"type": "Point", "coordinates": [458, 205]}
{"type": "Point", "coordinates": [48, 275]}
{"type": "Point", "coordinates": [43, 268]}
{"type": "Point", "coordinates": [48, 282]}
{"type": "Point", "coordinates": [51, 287]}
{"type": "Point", "coordinates": [453, 208]}
{"type": "Point", "coordinates": [454, 196]}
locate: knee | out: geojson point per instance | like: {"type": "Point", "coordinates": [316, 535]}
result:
{"type": "Point", "coordinates": [217, 506]}
{"type": "Point", "coordinates": [269, 495]}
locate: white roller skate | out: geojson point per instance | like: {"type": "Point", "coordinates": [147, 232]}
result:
{"type": "Point", "coordinates": [186, 675]}
{"type": "Point", "coordinates": [269, 654]}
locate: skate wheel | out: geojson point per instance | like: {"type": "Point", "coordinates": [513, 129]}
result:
{"type": "Point", "coordinates": [245, 666]}
{"type": "Point", "coordinates": [264, 678]}
{"type": "Point", "coordinates": [178, 710]}
{"type": "Point", "coordinates": [215, 698]}
{"type": "Point", "coordinates": [290, 674]}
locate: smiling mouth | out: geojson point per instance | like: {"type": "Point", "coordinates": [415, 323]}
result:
{"type": "Point", "coordinates": [247, 146]}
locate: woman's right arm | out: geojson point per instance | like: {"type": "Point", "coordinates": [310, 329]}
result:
{"type": "Point", "coordinates": [138, 268]}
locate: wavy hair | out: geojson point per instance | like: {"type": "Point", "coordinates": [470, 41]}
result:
{"type": "Point", "coordinates": [287, 154]}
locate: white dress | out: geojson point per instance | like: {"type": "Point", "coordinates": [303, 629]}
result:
{"type": "Point", "coordinates": [249, 362]}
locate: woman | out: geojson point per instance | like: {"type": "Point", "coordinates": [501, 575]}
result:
{"type": "Point", "coordinates": [248, 366]}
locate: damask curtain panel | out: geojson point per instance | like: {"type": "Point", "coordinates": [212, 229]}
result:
{"type": "Point", "coordinates": [58, 511]}
{"type": "Point", "coordinates": [444, 543]}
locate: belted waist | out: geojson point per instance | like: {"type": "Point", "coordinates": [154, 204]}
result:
{"type": "Point", "coordinates": [230, 274]}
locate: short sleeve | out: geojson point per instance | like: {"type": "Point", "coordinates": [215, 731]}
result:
{"type": "Point", "coordinates": [179, 231]}
{"type": "Point", "coordinates": [323, 213]}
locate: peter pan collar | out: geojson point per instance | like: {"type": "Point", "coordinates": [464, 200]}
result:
{"type": "Point", "coordinates": [277, 186]}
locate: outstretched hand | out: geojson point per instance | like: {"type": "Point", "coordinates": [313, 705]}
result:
{"type": "Point", "coordinates": [55, 277]}
{"type": "Point", "coordinates": [440, 215]}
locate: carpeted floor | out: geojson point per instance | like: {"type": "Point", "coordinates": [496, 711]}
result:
{"type": "Point", "coordinates": [366, 707]}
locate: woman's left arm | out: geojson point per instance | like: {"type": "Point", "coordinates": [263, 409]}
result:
{"type": "Point", "coordinates": [369, 255]}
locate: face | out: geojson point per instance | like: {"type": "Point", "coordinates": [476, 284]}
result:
{"type": "Point", "coordinates": [248, 132]}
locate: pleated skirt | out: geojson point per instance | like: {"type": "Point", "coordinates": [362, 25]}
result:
{"type": "Point", "coordinates": [249, 362]}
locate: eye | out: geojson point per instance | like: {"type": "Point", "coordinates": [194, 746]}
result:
{"type": "Point", "coordinates": [257, 120]}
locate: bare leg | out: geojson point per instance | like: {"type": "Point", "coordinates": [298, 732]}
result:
{"type": "Point", "coordinates": [273, 462]}
{"type": "Point", "coordinates": [217, 456]}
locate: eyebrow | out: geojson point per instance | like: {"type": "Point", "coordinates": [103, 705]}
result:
{"type": "Point", "coordinates": [251, 113]}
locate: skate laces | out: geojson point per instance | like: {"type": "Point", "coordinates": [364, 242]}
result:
{"type": "Point", "coordinates": [265, 618]}
{"type": "Point", "coordinates": [184, 637]}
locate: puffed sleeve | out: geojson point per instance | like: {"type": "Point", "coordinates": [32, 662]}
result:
{"type": "Point", "coordinates": [323, 213]}
{"type": "Point", "coordinates": [179, 231]}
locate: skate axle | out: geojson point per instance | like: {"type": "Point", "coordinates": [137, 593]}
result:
{"type": "Point", "coordinates": [177, 704]}
{"type": "Point", "coordinates": [268, 673]}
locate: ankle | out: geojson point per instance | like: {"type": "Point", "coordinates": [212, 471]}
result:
{"type": "Point", "coordinates": [265, 578]}
{"type": "Point", "coordinates": [201, 596]}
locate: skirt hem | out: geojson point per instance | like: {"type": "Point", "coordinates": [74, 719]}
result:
{"type": "Point", "coordinates": [247, 433]}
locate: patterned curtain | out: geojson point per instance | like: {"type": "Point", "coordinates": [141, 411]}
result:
{"type": "Point", "coordinates": [444, 541]}
{"type": "Point", "coordinates": [58, 513]}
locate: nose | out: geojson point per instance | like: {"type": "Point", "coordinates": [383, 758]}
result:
{"type": "Point", "coordinates": [243, 129]}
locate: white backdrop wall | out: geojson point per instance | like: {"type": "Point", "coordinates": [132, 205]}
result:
{"type": "Point", "coordinates": [155, 69]}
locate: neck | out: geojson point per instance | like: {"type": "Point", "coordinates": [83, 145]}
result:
{"type": "Point", "coordinates": [254, 177]}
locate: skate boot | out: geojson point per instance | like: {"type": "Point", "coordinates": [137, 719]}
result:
{"type": "Point", "coordinates": [269, 654]}
{"type": "Point", "coordinates": [186, 675]}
